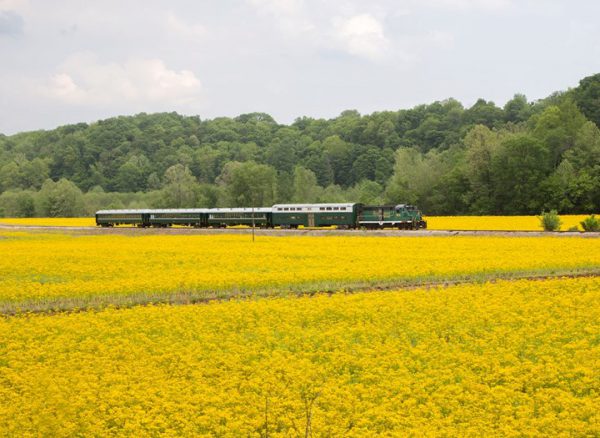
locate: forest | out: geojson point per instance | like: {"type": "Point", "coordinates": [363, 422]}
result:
{"type": "Point", "coordinates": [522, 158]}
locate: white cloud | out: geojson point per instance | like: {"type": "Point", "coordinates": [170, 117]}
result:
{"type": "Point", "coordinates": [279, 7]}
{"type": "Point", "coordinates": [289, 15]}
{"type": "Point", "coordinates": [361, 35]}
{"type": "Point", "coordinates": [492, 5]}
{"type": "Point", "coordinates": [13, 5]}
{"type": "Point", "coordinates": [190, 32]}
{"type": "Point", "coordinates": [83, 80]}
{"type": "Point", "coordinates": [440, 39]}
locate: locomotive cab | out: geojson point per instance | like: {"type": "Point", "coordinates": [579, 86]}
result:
{"type": "Point", "coordinates": [412, 214]}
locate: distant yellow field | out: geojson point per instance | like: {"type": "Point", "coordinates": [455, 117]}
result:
{"type": "Point", "coordinates": [51, 221]}
{"type": "Point", "coordinates": [500, 223]}
{"type": "Point", "coordinates": [42, 267]}
{"type": "Point", "coordinates": [505, 359]}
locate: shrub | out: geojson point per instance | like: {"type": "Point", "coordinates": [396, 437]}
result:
{"type": "Point", "coordinates": [550, 221]}
{"type": "Point", "coordinates": [591, 224]}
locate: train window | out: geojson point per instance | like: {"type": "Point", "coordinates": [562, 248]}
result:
{"type": "Point", "coordinates": [336, 208]}
{"type": "Point", "coordinates": [328, 208]}
{"type": "Point", "coordinates": [342, 208]}
{"type": "Point", "coordinates": [321, 208]}
{"type": "Point", "coordinates": [286, 209]}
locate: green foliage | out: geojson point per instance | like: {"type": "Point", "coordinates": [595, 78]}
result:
{"type": "Point", "coordinates": [306, 189]}
{"type": "Point", "coordinates": [550, 221]}
{"type": "Point", "coordinates": [250, 184]}
{"type": "Point", "coordinates": [17, 203]}
{"type": "Point", "coordinates": [59, 199]}
{"type": "Point", "coordinates": [590, 223]}
{"type": "Point", "coordinates": [518, 169]}
{"type": "Point", "coordinates": [443, 157]}
{"type": "Point", "coordinates": [180, 187]}
{"type": "Point", "coordinates": [367, 192]}
{"type": "Point", "coordinates": [587, 96]}
{"type": "Point", "coordinates": [517, 109]}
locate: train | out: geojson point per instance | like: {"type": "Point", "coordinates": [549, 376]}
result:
{"type": "Point", "coordinates": [284, 216]}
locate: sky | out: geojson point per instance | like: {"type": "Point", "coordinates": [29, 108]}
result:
{"type": "Point", "coordinates": [68, 61]}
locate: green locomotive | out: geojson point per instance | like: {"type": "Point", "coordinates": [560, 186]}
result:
{"type": "Point", "coordinates": [402, 216]}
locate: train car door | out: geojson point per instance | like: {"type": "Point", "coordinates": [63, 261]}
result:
{"type": "Point", "coordinates": [311, 219]}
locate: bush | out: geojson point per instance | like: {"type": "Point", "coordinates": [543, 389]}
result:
{"type": "Point", "coordinates": [550, 221]}
{"type": "Point", "coordinates": [17, 203]}
{"type": "Point", "coordinates": [591, 224]}
{"type": "Point", "coordinates": [59, 199]}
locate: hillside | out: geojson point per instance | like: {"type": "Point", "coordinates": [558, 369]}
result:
{"type": "Point", "coordinates": [448, 159]}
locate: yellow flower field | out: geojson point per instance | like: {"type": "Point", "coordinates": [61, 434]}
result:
{"type": "Point", "coordinates": [80, 269]}
{"type": "Point", "coordinates": [490, 223]}
{"type": "Point", "coordinates": [506, 359]}
{"type": "Point", "coordinates": [51, 221]}
{"type": "Point", "coordinates": [498, 223]}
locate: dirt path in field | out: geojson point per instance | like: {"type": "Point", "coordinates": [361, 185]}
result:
{"type": "Point", "coordinates": [62, 305]}
{"type": "Point", "coordinates": [129, 231]}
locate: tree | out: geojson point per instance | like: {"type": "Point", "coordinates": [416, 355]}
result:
{"type": "Point", "coordinates": [518, 170]}
{"type": "Point", "coordinates": [250, 184]}
{"type": "Point", "coordinates": [9, 176]}
{"type": "Point", "coordinates": [339, 154]}
{"type": "Point", "coordinates": [414, 177]}
{"type": "Point", "coordinates": [17, 203]}
{"type": "Point", "coordinates": [367, 192]}
{"type": "Point", "coordinates": [207, 195]}
{"type": "Point", "coordinates": [333, 193]}
{"type": "Point", "coordinates": [585, 153]}
{"type": "Point", "coordinates": [59, 199]}
{"type": "Point", "coordinates": [180, 187]}
{"type": "Point", "coordinates": [133, 175]}
{"type": "Point", "coordinates": [557, 127]}
{"type": "Point", "coordinates": [484, 113]}
{"type": "Point", "coordinates": [517, 109]}
{"type": "Point", "coordinates": [587, 96]}
{"type": "Point", "coordinates": [481, 147]}
{"type": "Point", "coordinates": [365, 165]}
{"type": "Point", "coordinates": [318, 163]}
{"type": "Point", "coordinates": [306, 189]}
{"type": "Point", "coordinates": [558, 187]}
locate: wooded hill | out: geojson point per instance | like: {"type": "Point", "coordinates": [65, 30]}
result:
{"type": "Point", "coordinates": [447, 159]}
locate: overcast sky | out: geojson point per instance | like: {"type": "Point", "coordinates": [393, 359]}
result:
{"type": "Point", "coordinates": [67, 61]}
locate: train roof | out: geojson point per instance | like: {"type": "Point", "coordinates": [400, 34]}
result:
{"type": "Point", "coordinates": [315, 206]}
{"type": "Point", "coordinates": [187, 210]}
{"type": "Point", "coordinates": [134, 211]}
{"type": "Point", "coordinates": [240, 210]}
{"type": "Point", "coordinates": [180, 210]}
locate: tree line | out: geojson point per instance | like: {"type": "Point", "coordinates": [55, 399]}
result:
{"type": "Point", "coordinates": [447, 159]}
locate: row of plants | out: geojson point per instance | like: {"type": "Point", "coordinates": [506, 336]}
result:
{"type": "Point", "coordinates": [551, 221]}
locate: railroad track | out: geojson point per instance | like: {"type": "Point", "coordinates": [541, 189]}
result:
{"type": "Point", "coordinates": [295, 232]}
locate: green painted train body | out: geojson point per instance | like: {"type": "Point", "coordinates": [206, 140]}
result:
{"type": "Point", "coordinates": [109, 218]}
{"type": "Point", "coordinates": [315, 215]}
{"type": "Point", "coordinates": [193, 217]}
{"type": "Point", "coordinates": [401, 216]}
{"type": "Point", "coordinates": [224, 217]}
{"type": "Point", "coordinates": [341, 215]}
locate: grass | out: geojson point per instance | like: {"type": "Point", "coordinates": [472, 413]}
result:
{"type": "Point", "coordinates": [53, 305]}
